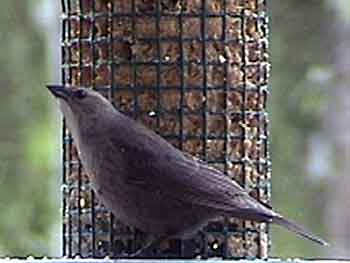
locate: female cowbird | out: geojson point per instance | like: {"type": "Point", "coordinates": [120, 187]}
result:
{"type": "Point", "coordinates": [145, 181]}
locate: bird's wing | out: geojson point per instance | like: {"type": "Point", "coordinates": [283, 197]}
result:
{"type": "Point", "coordinates": [158, 166]}
{"type": "Point", "coordinates": [206, 186]}
{"type": "Point", "coordinates": [192, 181]}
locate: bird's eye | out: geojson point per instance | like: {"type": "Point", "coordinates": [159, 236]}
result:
{"type": "Point", "coordinates": [80, 94]}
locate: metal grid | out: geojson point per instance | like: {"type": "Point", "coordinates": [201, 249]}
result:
{"type": "Point", "coordinates": [194, 71]}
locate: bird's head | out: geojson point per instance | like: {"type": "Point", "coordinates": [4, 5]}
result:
{"type": "Point", "coordinates": [81, 107]}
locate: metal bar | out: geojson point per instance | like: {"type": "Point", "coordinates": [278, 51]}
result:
{"type": "Point", "coordinates": [93, 72]}
{"type": "Point", "coordinates": [272, 260]}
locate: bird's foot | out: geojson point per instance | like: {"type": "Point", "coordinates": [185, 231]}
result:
{"type": "Point", "coordinates": [147, 251]}
{"type": "Point", "coordinates": [141, 253]}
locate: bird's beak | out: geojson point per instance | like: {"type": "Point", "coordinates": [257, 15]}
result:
{"type": "Point", "coordinates": [60, 91]}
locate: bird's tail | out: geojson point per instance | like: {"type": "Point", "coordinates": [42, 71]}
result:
{"type": "Point", "coordinates": [298, 229]}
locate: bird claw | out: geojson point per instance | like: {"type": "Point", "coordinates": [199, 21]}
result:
{"type": "Point", "coordinates": [124, 255]}
{"type": "Point", "coordinates": [141, 253]}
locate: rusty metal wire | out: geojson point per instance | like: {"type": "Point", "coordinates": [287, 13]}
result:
{"type": "Point", "coordinates": [194, 71]}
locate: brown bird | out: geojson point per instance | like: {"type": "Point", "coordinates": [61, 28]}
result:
{"type": "Point", "coordinates": [145, 181]}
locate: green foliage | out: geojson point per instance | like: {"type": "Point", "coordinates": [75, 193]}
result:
{"type": "Point", "coordinates": [299, 40]}
{"type": "Point", "coordinates": [26, 198]}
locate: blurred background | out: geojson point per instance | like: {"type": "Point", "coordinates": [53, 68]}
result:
{"type": "Point", "coordinates": [309, 111]}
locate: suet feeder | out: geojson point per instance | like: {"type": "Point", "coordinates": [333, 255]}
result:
{"type": "Point", "coordinates": [196, 72]}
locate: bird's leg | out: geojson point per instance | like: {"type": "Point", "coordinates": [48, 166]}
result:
{"type": "Point", "coordinates": [146, 251]}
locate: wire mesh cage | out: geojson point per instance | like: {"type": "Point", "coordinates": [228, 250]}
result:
{"type": "Point", "coordinates": [194, 71]}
